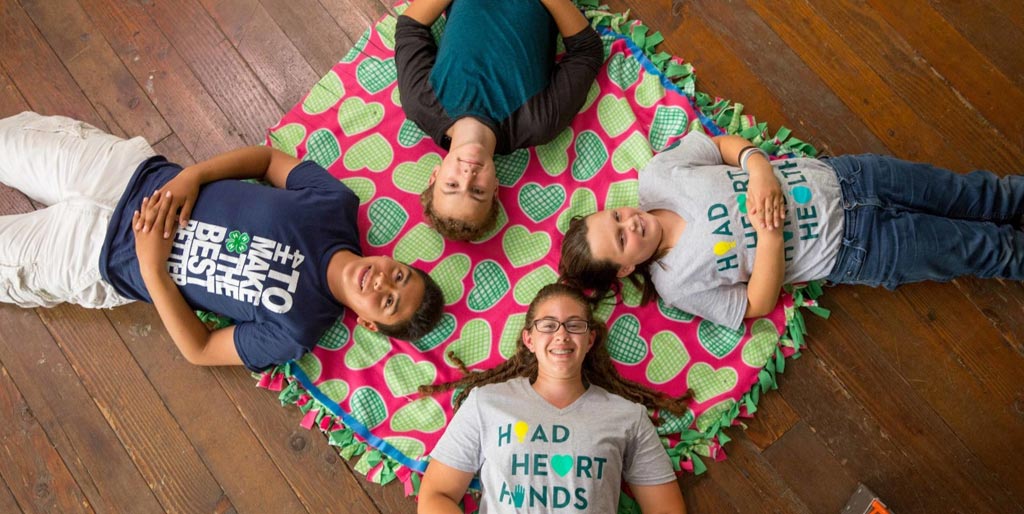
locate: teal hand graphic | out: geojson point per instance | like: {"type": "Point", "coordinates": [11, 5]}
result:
{"type": "Point", "coordinates": [238, 242]}
{"type": "Point", "coordinates": [518, 496]}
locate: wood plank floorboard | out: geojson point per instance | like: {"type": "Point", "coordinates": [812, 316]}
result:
{"type": "Point", "coordinates": [917, 393]}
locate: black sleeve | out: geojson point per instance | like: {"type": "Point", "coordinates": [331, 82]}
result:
{"type": "Point", "coordinates": [415, 53]}
{"type": "Point", "coordinates": [547, 113]}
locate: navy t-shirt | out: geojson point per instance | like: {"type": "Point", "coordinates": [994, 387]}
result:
{"type": "Point", "coordinates": [253, 253]}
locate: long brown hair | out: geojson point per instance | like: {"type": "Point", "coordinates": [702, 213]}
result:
{"type": "Point", "coordinates": [597, 365]}
{"type": "Point", "coordinates": [578, 267]}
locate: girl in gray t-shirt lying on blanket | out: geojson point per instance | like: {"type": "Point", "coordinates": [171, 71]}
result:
{"type": "Point", "coordinates": [554, 428]}
{"type": "Point", "coordinates": [725, 228]}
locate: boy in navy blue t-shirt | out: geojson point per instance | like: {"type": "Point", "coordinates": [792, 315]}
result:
{"type": "Point", "coordinates": [281, 261]}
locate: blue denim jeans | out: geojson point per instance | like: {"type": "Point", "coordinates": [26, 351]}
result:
{"type": "Point", "coordinates": [908, 222]}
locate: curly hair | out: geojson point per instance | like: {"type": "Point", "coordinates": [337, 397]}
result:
{"type": "Point", "coordinates": [426, 316]}
{"type": "Point", "coordinates": [455, 229]}
{"type": "Point", "coordinates": [597, 365]}
{"type": "Point", "coordinates": [579, 268]}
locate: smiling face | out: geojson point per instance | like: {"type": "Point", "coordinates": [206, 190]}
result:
{"type": "Point", "coordinates": [380, 290]}
{"type": "Point", "coordinates": [465, 184]}
{"type": "Point", "coordinates": [626, 236]}
{"type": "Point", "coordinates": [559, 354]}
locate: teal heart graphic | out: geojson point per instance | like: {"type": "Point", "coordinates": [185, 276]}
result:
{"type": "Point", "coordinates": [449, 276]}
{"type": "Point", "coordinates": [624, 342]}
{"type": "Point", "coordinates": [719, 340]}
{"type": "Point", "coordinates": [523, 247]}
{"type": "Point", "coordinates": [540, 202]}
{"type": "Point", "coordinates": [673, 313]}
{"type": "Point", "coordinates": [650, 90]}
{"type": "Point", "coordinates": [623, 70]}
{"type": "Point", "coordinates": [412, 448]}
{"type": "Point", "coordinates": [444, 329]}
{"type": "Point", "coordinates": [324, 94]}
{"type": "Point", "coordinates": [625, 193]}
{"type": "Point", "coordinates": [672, 424]}
{"type": "Point", "coordinates": [404, 376]}
{"type": "Point", "coordinates": [554, 155]}
{"type": "Point", "coordinates": [714, 413]}
{"type": "Point", "coordinates": [561, 464]}
{"type": "Point", "coordinates": [413, 177]}
{"type": "Point", "coordinates": [423, 415]}
{"type": "Point", "coordinates": [510, 335]}
{"type": "Point", "coordinates": [473, 345]}
{"type": "Point", "coordinates": [764, 338]}
{"type": "Point", "coordinates": [528, 287]}
{"type": "Point", "coordinates": [362, 187]}
{"type": "Point", "coordinates": [355, 116]}
{"type": "Point", "coordinates": [633, 154]}
{"type": "Point", "coordinates": [310, 365]}
{"type": "Point", "coordinates": [287, 138]}
{"type": "Point", "coordinates": [615, 115]}
{"type": "Point", "coordinates": [420, 243]}
{"type": "Point", "coordinates": [336, 389]}
{"type": "Point", "coordinates": [358, 48]}
{"type": "Point", "coordinates": [387, 218]}
{"type": "Point", "coordinates": [668, 122]}
{"type": "Point", "coordinates": [369, 349]}
{"type": "Point", "coordinates": [509, 168]}
{"type": "Point", "coordinates": [582, 203]}
{"type": "Point", "coordinates": [323, 148]}
{"type": "Point", "coordinates": [335, 337]}
{"type": "Point", "coordinates": [372, 152]}
{"type": "Point", "coordinates": [489, 284]}
{"type": "Point", "coordinates": [409, 134]}
{"type": "Point", "coordinates": [668, 357]}
{"type": "Point", "coordinates": [707, 382]}
{"type": "Point", "coordinates": [367, 406]}
{"type": "Point", "coordinates": [591, 155]}
{"type": "Point", "coordinates": [376, 75]}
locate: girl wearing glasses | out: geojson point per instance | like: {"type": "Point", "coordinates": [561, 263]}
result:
{"type": "Point", "coordinates": [554, 428]}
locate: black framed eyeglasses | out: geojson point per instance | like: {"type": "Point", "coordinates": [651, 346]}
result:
{"type": "Point", "coordinates": [550, 326]}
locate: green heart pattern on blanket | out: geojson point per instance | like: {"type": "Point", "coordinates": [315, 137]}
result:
{"type": "Point", "coordinates": [355, 115]}
{"type": "Point", "coordinates": [413, 177]}
{"type": "Point", "coordinates": [632, 154]}
{"type": "Point", "coordinates": [358, 48]}
{"type": "Point", "coordinates": [591, 155]}
{"type": "Point", "coordinates": [396, 97]}
{"type": "Point", "coordinates": [387, 218]}
{"type": "Point", "coordinates": [386, 31]}
{"type": "Point", "coordinates": [372, 152]}
{"type": "Point", "coordinates": [322, 148]}
{"type": "Point", "coordinates": [368, 407]}
{"type": "Point", "coordinates": [409, 447]}
{"type": "Point", "coordinates": [668, 122]}
{"type": "Point", "coordinates": [523, 247]}
{"type": "Point", "coordinates": [624, 342]}
{"type": "Point", "coordinates": [369, 349]}
{"type": "Point", "coordinates": [490, 283]}
{"type": "Point", "coordinates": [649, 91]}
{"type": "Point", "coordinates": [615, 115]}
{"type": "Point", "coordinates": [310, 364]}
{"type": "Point", "coordinates": [444, 329]}
{"type": "Point", "coordinates": [554, 155]}
{"type": "Point", "coordinates": [376, 75]}
{"type": "Point", "coordinates": [561, 464]}
{"type": "Point", "coordinates": [409, 134]}
{"type": "Point", "coordinates": [473, 345]}
{"type": "Point", "coordinates": [528, 287]}
{"type": "Point", "coordinates": [336, 389]}
{"type": "Point", "coordinates": [498, 225]}
{"type": "Point", "coordinates": [404, 376]}
{"type": "Point", "coordinates": [707, 382]}
{"type": "Point", "coordinates": [424, 415]}
{"type": "Point", "coordinates": [673, 313]}
{"type": "Point", "coordinates": [631, 295]}
{"type": "Point", "coordinates": [714, 413]}
{"type": "Point", "coordinates": [540, 202]}
{"type": "Point", "coordinates": [510, 335]}
{"type": "Point", "coordinates": [449, 276]}
{"type": "Point", "coordinates": [362, 187]}
{"type": "Point", "coordinates": [582, 203]}
{"type": "Point", "coordinates": [623, 194]}
{"type": "Point", "coordinates": [592, 95]}
{"type": "Point", "coordinates": [287, 138]}
{"type": "Point", "coordinates": [509, 168]}
{"type": "Point", "coordinates": [324, 94]}
{"type": "Point", "coordinates": [623, 70]}
{"type": "Point", "coordinates": [672, 424]}
{"type": "Point", "coordinates": [421, 243]}
{"type": "Point", "coordinates": [668, 357]}
{"type": "Point", "coordinates": [719, 340]}
{"type": "Point", "coordinates": [764, 338]}
{"type": "Point", "coordinates": [335, 337]}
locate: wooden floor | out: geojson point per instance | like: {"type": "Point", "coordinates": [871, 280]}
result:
{"type": "Point", "coordinates": [918, 393]}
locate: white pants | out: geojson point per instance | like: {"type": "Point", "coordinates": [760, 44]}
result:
{"type": "Point", "coordinates": [79, 172]}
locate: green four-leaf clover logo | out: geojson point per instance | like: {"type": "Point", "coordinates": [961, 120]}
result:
{"type": "Point", "coordinates": [238, 242]}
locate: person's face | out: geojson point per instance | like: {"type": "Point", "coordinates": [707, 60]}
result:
{"type": "Point", "coordinates": [559, 354]}
{"type": "Point", "coordinates": [381, 290]}
{"type": "Point", "coordinates": [625, 236]}
{"type": "Point", "coordinates": [465, 184]}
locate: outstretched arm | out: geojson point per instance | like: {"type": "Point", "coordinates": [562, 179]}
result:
{"type": "Point", "coordinates": [442, 489]}
{"type": "Point", "coordinates": [659, 499]}
{"type": "Point", "coordinates": [569, 19]}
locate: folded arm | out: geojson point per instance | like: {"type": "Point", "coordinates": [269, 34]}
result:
{"type": "Point", "coordinates": [442, 489]}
